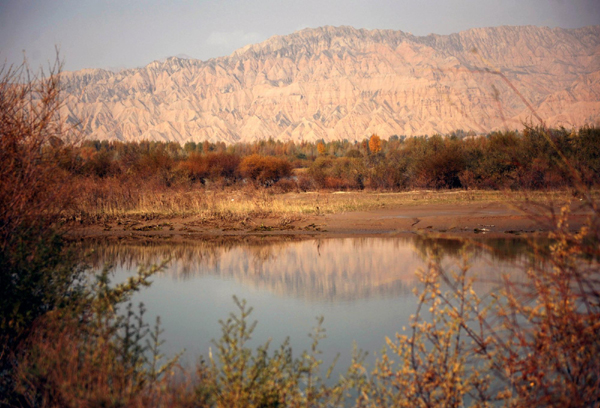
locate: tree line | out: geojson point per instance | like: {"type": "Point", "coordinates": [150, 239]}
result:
{"type": "Point", "coordinates": [532, 159]}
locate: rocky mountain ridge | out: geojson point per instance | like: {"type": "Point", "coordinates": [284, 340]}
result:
{"type": "Point", "coordinates": [345, 83]}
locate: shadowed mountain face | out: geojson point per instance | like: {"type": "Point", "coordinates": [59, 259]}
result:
{"type": "Point", "coordinates": [343, 83]}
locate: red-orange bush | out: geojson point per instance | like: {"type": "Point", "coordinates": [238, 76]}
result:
{"type": "Point", "coordinates": [223, 166]}
{"type": "Point", "coordinates": [265, 170]}
{"type": "Point", "coordinates": [196, 167]}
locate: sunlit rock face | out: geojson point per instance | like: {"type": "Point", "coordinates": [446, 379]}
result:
{"type": "Point", "coordinates": [337, 83]}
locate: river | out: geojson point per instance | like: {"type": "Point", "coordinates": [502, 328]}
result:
{"type": "Point", "coordinates": [363, 287]}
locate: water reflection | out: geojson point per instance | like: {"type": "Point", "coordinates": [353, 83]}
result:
{"type": "Point", "coordinates": [318, 270]}
{"type": "Point", "coordinates": [362, 286]}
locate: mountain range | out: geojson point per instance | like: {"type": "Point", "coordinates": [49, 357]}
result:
{"type": "Point", "coordinates": [335, 83]}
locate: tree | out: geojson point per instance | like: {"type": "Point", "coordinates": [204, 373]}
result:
{"type": "Point", "coordinates": [321, 148]}
{"type": "Point", "coordinates": [375, 144]}
{"type": "Point", "coordinates": [190, 147]}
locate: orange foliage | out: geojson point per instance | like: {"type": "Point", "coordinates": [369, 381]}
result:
{"type": "Point", "coordinates": [211, 166]}
{"type": "Point", "coordinates": [195, 167]}
{"type": "Point", "coordinates": [321, 148]}
{"type": "Point", "coordinates": [223, 165]}
{"type": "Point", "coordinates": [265, 170]}
{"type": "Point", "coordinates": [375, 144]}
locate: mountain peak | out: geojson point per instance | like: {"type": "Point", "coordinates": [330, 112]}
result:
{"type": "Point", "coordinates": [347, 83]}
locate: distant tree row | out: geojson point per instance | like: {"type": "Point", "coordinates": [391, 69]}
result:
{"type": "Point", "coordinates": [533, 159]}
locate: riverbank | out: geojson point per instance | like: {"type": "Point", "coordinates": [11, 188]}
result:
{"type": "Point", "coordinates": [338, 214]}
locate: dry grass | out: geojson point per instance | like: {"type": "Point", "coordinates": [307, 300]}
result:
{"type": "Point", "coordinates": [109, 200]}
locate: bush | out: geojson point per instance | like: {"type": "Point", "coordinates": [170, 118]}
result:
{"type": "Point", "coordinates": [338, 173]}
{"type": "Point", "coordinates": [286, 186]}
{"type": "Point", "coordinates": [223, 166]}
{"type": "Point", "coordinates": [196, 167]}
{"type": "Point", "coordinates": [37, 274]}
{"type": "Point", "coordinates": [87, 354]}
{"type": "Point", "coordinates": [533, 343]}
{"type": "Point", "coordinates": [34, 193]}
{"type": "Point", "coordinates": [264, 170]}
{"type": "Point", "coordinates": [440, 164]}
{"type": "Point", "coordinates": [245, 378]}
{"type": "Point", "coordinates": [586, 147]}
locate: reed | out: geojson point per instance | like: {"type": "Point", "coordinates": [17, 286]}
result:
{"type": "Point", "coordinates": [109, 200]}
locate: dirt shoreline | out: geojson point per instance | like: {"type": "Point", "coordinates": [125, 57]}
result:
{"type": "Point", "coordinates": [491, 219]}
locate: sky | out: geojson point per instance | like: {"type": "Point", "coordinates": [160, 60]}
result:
{"type": "Point", "coordinates": [116, 34]}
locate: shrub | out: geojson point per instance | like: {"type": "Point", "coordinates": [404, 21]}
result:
{"type": "Point", "coordinates": [286, 185]}
{"type": "Point", "coordinates": [353, 153]}
{"type": "Point", "coordinates": [196, 167]}
{"type": "Point", "coordinates": [535, 342]}
{"type": "Point", "coordinates": [264, 170]}
{"type": "Point", "coordinates": [37, 274]}
{"type": "Point", "coordinates": [440, 164]}
{"type": "Point", "coordinates": [586, 147]}
{"type": "Point", "coordinates": [318, 170]}
{"type": "Point", "coordinates": [338, 173]}
{"type": "Point", "coordinates": [242, 378]}
{"type": "Point", "coordinates": [89, 355]}
{"type": "Point", "coordinates": [305, 182]}
{"type": "Point", "coordinates": [34, 194]}
{"type": "Point", "coordinates": [223, 166]}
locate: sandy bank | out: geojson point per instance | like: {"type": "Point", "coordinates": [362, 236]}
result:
{"type": "Point", "coordinates": [464, 219]}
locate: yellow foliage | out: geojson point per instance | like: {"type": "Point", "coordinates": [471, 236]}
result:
{"type": "Point", "coordinates": [375, 144]}
{"type": "Point", "coordinates": [321, 148]}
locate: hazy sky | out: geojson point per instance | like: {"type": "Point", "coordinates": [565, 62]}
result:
{"type": "Point", "coordinates": [131, 33]}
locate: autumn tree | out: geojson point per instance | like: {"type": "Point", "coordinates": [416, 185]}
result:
{"type": "Point", "coordinates": [375, 144]}
{"type": "Point", "coordinates": [321, 148]}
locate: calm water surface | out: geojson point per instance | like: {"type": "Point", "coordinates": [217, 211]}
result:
{"type": "Point", "coordinates": [362, 286]}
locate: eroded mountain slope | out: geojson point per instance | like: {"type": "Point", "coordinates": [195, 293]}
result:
{"type": "Point", "coordinates": [345, 83]}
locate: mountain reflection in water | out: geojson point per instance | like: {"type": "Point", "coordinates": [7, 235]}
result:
{"type": "Point", "coordinates": [362, 286]}
{"type": "Point", "coordinates": [320, 270]}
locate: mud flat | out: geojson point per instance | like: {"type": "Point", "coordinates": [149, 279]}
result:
{"type": "Point", "coordinates": [494, 219]}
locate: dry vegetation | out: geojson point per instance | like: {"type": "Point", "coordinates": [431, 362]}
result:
{"type": "Point", "coordinates": [250, 201]}
{"type": "Point", "coordinates": [528, 343]}
{"type": "Point", "coordinates": [110, 201]}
